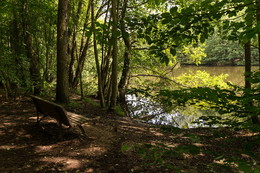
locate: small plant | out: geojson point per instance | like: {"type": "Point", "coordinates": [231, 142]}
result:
{"type": "Point", "coordinates": [119, 110]}
{"type": "Point", "coordinates": [91, 101]}
{"type": "Point", "coordinates": [72, 105]}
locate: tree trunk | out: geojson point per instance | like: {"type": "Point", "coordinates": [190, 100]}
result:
{"type": "Point", "coordinates": [100, 87]}
{"type": "Point", "coordinates": [247, 65]}
{"type": "Point", "coordinates": [258, 24]}
{"type": "Point", "coordinates": [126, 69]}
{"type": "Point", "coordinates": [114, 85]}
{"type": "Point", "coordinates": [83, 51]}
{"type": "Point", "coordinates": [256, 119]}
{"type": "Point", "coordinates": [62, 88]}
{"type": "Point", "coordinates": [73, 48]}
{"type": "Point", "coordinates": [16, 46]}
{"type": "Point", "coordinates": [248, 72]}
{"type": "Point", "coordinates": [33, 58]}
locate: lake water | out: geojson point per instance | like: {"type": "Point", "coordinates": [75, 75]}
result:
{"type": "Point", "coordinates": [143, 108]}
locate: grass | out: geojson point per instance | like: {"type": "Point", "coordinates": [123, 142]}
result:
{"type": "Point", "coordinates": [91, 102]}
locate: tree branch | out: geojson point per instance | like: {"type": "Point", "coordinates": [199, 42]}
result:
{"type": "Point", "coordinates": [162, 77]}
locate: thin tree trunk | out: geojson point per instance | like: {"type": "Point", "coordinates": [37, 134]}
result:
{"type": "Point", "coordinates": [248, 72]}
{"type": "Point", "coordinates": [62, 88]}
{"type": "Point", "coordinates": [73, 48]}
{"type": "Point", "coordinates": [83, 51]}
{"type": "Point", "coordinates": [34, 60]}
{"type": "Point", "coordinates": [114, 84]}
{"type": "Point", "coordinates": [256, 119]}
{"type": "Point", "coordinates": [247, 65]}
{"type": "Point", "coordinates": [258, 24]}
{"type": "Point", "coordinates": [106, 56]}
{"type": "Point", "coordinates": [126, 68]}
{"type": "Point", "coordinates": [100, 87]}
{"type": "Point", "coordinates": [16, 46]}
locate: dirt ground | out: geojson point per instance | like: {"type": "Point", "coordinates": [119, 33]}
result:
{"type": "Point", "coordinates": [115, 144]}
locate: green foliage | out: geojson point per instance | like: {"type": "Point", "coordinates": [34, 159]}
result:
{"type": "Point", "coordinates": [195, 54]}
{"type": "Point", "coordinates": [91, 101]}
{"type": "Point", "coordinates": [239, 103]}
{"type": "Point", "coordinates": [191, 22]}
{"type": "Point", "coordinates": [119, 110]}
{"type": "Point", "coordinates": [48, 89]}
{"type": "Point", "coordinates": [225, 52]}
{"type": "Point", "coordinates": [126, 148]}
{"type": "Point", "coordinates": [203, 79]}
{"type": "Point", "coordinates": [73, 105]}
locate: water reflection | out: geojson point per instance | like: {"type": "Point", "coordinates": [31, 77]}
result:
{"type": "Point", "coordinates": [147, 111]}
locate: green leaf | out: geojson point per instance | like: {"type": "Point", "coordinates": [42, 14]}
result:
{"type": "Point", "coordinates": [89, 32]}
{"type": "Point", "coordinates": [173, 51]}
{"type": "Point", "coordinates": [232, 13]}
{"type": "Point", "coordinates": [154, 47]}
{"type": "Point", "coordinates": [166, 21]}
{"type": "Point", "coordinates": [126, 147]}
{"type": "Point", "coordinates": [173, 10]}
{"type": "Point", "coordinates": [166, 15]}
{"type": "Point", "coordinates": [202, 39]}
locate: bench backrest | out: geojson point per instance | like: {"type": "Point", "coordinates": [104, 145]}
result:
{"type": "Point", "coordinates": [51, 109]}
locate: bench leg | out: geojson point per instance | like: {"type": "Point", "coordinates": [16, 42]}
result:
{"type": "Point", "coordinates": [60, 131]}
{"type": "Point", "coordinates": [39, 119]}
{"type": "Point", "coordinates": [82, 130]}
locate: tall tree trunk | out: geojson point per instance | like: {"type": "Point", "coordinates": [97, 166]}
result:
{"type": "Point", "coordinates": [73, 48]}
{"type": "Point", "coordinates": [258, 24]}
{"type": "Point", "coordinates": [33, 58]}
{"type": "Point", "coordinates": [16, 46]}
{"type": "Point", "coordinates": [100, 87]}
{"type": "Point", "coordinates": [62, 88]}
{"type": "Point", "coordinates": [247, 65]}
{"type": "Point", "coordinates": [256, 119]}
{"type": "Point", "coordinates": [126, 68]}
{"type": "Point", "coordinates": [248, 72]}
{"type": "Point", "coordinates": [114, 84]}
{"type": "Point", "coordinates": [83, 51]}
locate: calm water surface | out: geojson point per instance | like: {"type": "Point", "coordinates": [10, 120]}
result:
{"type": "Point", "coordinates": [236, 73]}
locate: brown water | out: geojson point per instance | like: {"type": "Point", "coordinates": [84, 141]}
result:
{"type": "Point", "coordinates": [236, 73]}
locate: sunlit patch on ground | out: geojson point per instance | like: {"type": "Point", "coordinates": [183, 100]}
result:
{"type": "Point", "coordinates": [92, 151]}
{"type": "Point", "coordinates": [66, 162]}
{"type": "Point", "coordinates": [156, 133]}
{"type": "Point", "coordinates": [40, 149]}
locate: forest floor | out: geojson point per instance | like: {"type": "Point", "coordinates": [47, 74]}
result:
{"type": "Point", "coordinates": [119, 144]}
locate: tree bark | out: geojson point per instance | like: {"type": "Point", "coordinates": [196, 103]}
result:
{"type": "Point", "coordinates": [126, 68]}
{"type": "Point", "coordinates": [248, 72]}
{"type": "Point", "coordinates": [31, 55]}
{"type": "Point", "coordinates": [73, 48]}
{"type": "Point", "coordinates": [114, 84]}
{"type": "Point", "coordinates": [247, 65]}
{"type": "Point", "coordinates": [62, 88]}
{"type": "Point", "coordinates": [100, 87]}
{"type": "Point", "coordinates": [258, 24]}
{"type": "Point", "coordinates": [83, 51]}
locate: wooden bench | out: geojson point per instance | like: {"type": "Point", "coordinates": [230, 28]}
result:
{"type": "Point", "coordinates": [47, 108]}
